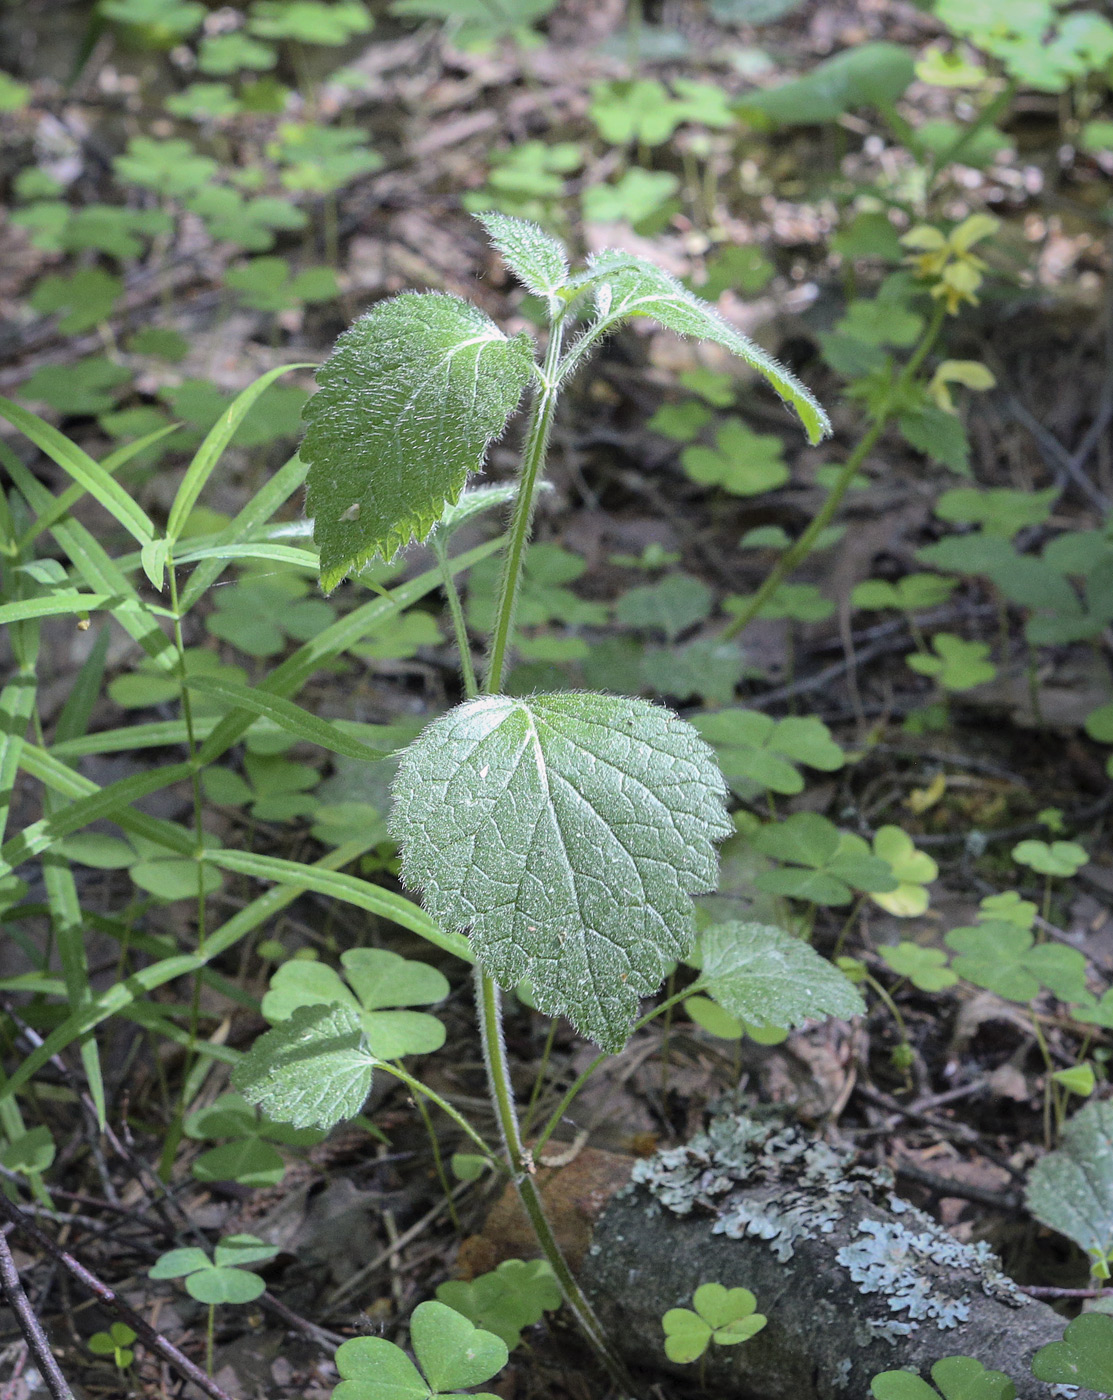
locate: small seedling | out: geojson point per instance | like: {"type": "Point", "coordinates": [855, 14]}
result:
{"type": "Point", "coordinates": [449, 1350]}
{"type": "Point", "coordinates": [512, 1297]}
{"type": "Point", "coordinates": [250, 1156]}
{"type": "Point", "coordinates": [742, 462]}
{"type": "Point", "coordinates": [1006, 959]}
{"type": "Point", "coordinates": [224, 1278]}
{"type": "Point", "coordinates": [725, 1316]}
{"type": "Point", "coordinates": [759, 753]}
{"type": "Point", "coordinates": [1055, 858]}
{"type": "Point", "coordinates": [925, 968]}
{"type": "Point", "coordinates": [957, 665]}
{"type": "Point", "coordinates": [116, 1342]}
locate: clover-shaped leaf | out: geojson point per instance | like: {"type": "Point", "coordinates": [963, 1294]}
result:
{"type": "Point", "coordinates": [275, 789]}
{"type": "Point", "coordinates": [756, 751]}
{"type": "Point", "coordinates": [957, 664]}
{"type": "Point", "coordinates": [723, 1315]}
{"type": "Point", "coordinates": [449, 1350]}
{"type": "Point", "coordinates": [913, 870]}
{"type": "Point", "coordinates": [1007, 907]}
{"type": "Point", "coordinates": [1071, 1189]}
{"type": "Point", "coordinates": [671, 605]}
{"type": "Point", "coordinates": [259, 614]}
{"type": "Point", "coordinates": [822, 864]}
{"type": "Point", "coordinates": [171, 20]}
{"type": "Point", "coordinates": [958, 1378]}
{"type": "Point", "coordinates": [909, 594]}
{"type": "Point", "coordinates": [703, 667]}
{"type": "Point", "coordinates": [1084, 1357]}
{"type": "Point", "coordinates": [382, 981]}
{"type": "Point", "coordinates": [925, 968]}
{"type": "Point", "coordinates": [250, 1157]}
{"type": "Point", "coordinates": [634, 111]}
{"type": "Point", "coordinates": [321, 159]}
{"type": "Point", "coordinates": [802, 602]}
{"type": "Point", "coordinates": [513, 1296]}
{"type": "Point", "coordinates": [1005, 959]}
{"type": "Point", "coordinates": [116, 1342]}
{"type": "Point", "coordinates": [635, 196]}
{"type": "Point", "coordinates": [222, 1279]}
{"type": "Point", "coordinates": [568, 832]}
{"type": "Point", "coordinates": [266, 284]}
{"type": "Point", "coordinates": [1063, 858]}
{"type": "Point", "coordinates": [171, 168]}
{"type": "Point", "coordinates": [312, 1070]}
{"type": "Point", "coordinates": [87, 297]}
{"type": "Point", "coordinates": [742, 462]}
{"type": "Point", "coordinates": [225, 54]}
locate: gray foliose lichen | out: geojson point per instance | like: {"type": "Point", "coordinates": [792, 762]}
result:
{"type": "Point", "coordinates": [773, 1182]}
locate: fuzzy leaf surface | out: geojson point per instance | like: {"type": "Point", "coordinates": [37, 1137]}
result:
{"type": "Point", "coordinates": [568, 832]}
{"type": "Point", "coordinates": [765, 976]}
{"type": "Point", "coordinates": [312, 1070]}
{"type": "Point", "coordinates": [409, 402]}
{"type": "Point", "coordinates": [1071, 1189]}
{"type": "Point", "coordinates": [627, 287]}
{"type": "Point", "coordinates": [535, 258]}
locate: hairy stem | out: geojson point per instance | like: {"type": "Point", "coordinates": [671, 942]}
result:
{"type": "Point", "coordinates": [799, 551]}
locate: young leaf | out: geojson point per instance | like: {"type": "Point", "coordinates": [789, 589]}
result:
{"type": "Point", "coordinates": [1071, 1189]}
{"type": "Point", "coordinates": [568, 832]}
{"type": "Point", "coordinates": [513, 1296]}
{"type": "Point", "coordinates": [450, 1350]}
{"type": "Point", "coordinates": [312, 1071]}
{"type": "Point", "coordinates": [766, 977]}
{"type": "Point", "coordinates": [409, 402]}
{"type": "Point", "coordinates": [627, 287]}
{"type": "Point", "coordinates": [536, 259]}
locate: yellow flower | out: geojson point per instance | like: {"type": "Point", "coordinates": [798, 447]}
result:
{"type": "Point", "coordinates": [946, 260]}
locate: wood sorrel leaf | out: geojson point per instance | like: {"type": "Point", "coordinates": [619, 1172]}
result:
{"type": "Point", "coordinates": [537, 260]}
{"type": "Point", "coordinates": [312, 1070]}
{"type": "Point", "coordinates": [568, 832]}
{"type": "Point", "coordinates": [626, 287]}
{"type": "Point", "coordinates": [765, 976]}
{"type": "Point", "coordinates": [409, 402]}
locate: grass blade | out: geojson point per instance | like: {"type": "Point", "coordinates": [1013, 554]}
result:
{"type": "Point", "coordinates": [286, 715]}
{"type": "Point", "coordinates": [218, 438]}
{"type": "Point", "coordinates": [78, 464]}
{"type": "Point", "coordinates": [350, 890]}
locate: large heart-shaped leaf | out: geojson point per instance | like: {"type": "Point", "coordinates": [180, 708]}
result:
{"type": "Point", "coordinates": [375, 1369]}
{"type": "Point", "coordinates": [568, 832]}
{"type": "Point", "coordinates": [1084, 1356]}
{"type": "Point", "coordinates": [409, 401]}
{"type": "Point", "coordinates": [1071, 1189]}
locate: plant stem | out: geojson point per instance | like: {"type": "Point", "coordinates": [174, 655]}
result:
{"type": "Point", "coordinates": [531, 1107]}
{"type": "Point", "coordinates": [522, 1166]}
{"type": "Point", "coordinates": [799, 551]}
{"type": "Point", "coordinates": [416, 1087]}
{"type": "Point", "coordinates": [459, 626]}
{"type": "Point", "coordinates": [209, 1330]}
{"type": "Point", "coordinates": [533, 459]}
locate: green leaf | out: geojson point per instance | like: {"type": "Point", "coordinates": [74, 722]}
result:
{"type": "Point", "coordinates": [729, 1312]}
{"type": "Point", "coordinates": [374, 1369]}
{"type": "Point", "coordinates": [568, 832]}
{"type": "Point", "coordinates": [32, 1152]}
{"type": "Point", "coordinates": [711, 1017]}
{"type": "Point", "coordinates": [766, 977]}
{"type": "Point", "coordinates": [957, 665]}
{"type": "Point", "coordinates": [754, 750]}
{"type": "Point", "coordinates": [742, 462]}
{"type": "Point", "coordinates": [248, 1161]}
{"type": "Point", "coordinates": [1071, 1189]}
{"type": "Point", "coordinates": [536, 259]}
{"type": "Point", "coordinates": [381, 979]}
{"type": "Point", "coordinates": [671, 606]}
{"type": "Point", "coordinates": [1062, 858]}
{"type": "Point", "coordinates": [177, 1263]}
{"type": "Point", "coordinates": [958, 1378]}
{"type": "Point", "coordinates": [513, 1296]}
{"type": "Point", "coordinates": [78, 464]}
{"type": "Point", "coordinates": [171, 168]}
{"type": "Point", "coordinates": [865, 75]}
{"type": "Point", "coordinates": [1006, 959]}
{"type": "Point", "coordinates": [312, 1070]}
{"type": "Point", "coordinates": [409, 402]}
{"type": "Point", "coordinates": [87, 297]}
{"type": "Point", "coordinates": [686, 1335]}
{"type": "Point", "coordinates": [628, 287]}
{"type": "Point", "coordinates": [1084, 1357]}
{"type": "Point", "coordinates": [216, 1286]}
{"type": "Point", "coordinates": [450, 1350]}
{"type": "Point", "coordinates": [925, 968]}
{"type": "Point", "coordinates": [310, 21]}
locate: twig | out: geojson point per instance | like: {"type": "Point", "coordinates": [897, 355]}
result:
{"type": "Point", "coordinates": [138, 1324]}
{"type": "Point", "coordinates": [321, 1335]}
{"type": "Point", "coordinates": [30, 1325]}
{"type": "Point", "coordinates": [1036, 1291]}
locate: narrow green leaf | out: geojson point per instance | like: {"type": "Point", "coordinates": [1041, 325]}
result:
{"type": "Point", "coordinates": [91, 475]}
{"type": "Point", "coordinates": [628, 287]}
{"type": "Point", "coordinates": [258, 510]}
{"type": "Point", "coordinates": [347, 888]}
{"type": "Point", "coordinates": [764, 976]}
{"type": "Point", "coordinates": [270, 553]}
{"type": "Point", "coordinates": [568, 832]}
{"type": "Point", "coordinates": [293, 673]}
{"type": "Point", "coordinates": [313, 1070]}
{"type": "Point", "coordinates": [217, 439]}
{"type": "Point", "coordinates": [113, 1001]}
{"type": "Point", "coordinates": [110, 801]}
{"type": "Point", "coordinates": [55, 605]}
{"type": "Point", "coordinates": [409, 401]}
{"type": "Point", "coordinates": [159, 734]}
{"type": "Point", "coordinates": [535, 257]}
{"type": "Point", "coordinates": [286, 715]}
